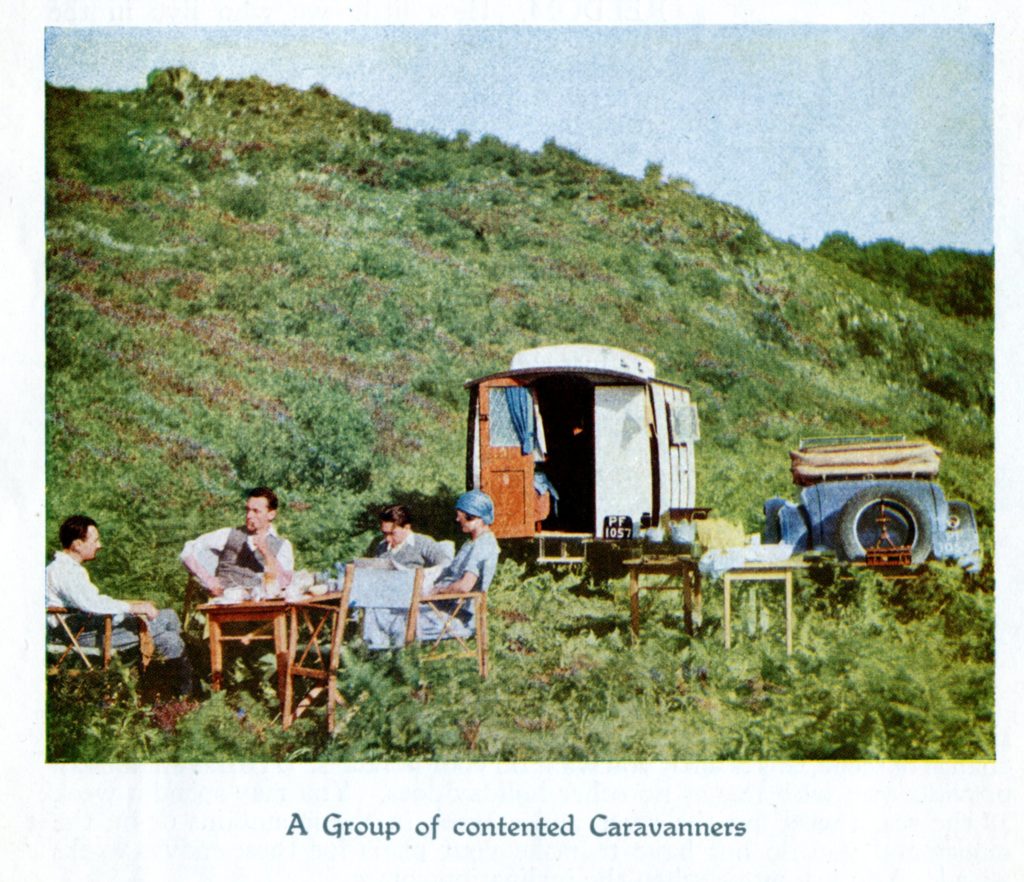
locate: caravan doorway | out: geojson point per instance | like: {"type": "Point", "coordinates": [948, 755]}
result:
{"type": "Point", "coordinates": [566, 405]}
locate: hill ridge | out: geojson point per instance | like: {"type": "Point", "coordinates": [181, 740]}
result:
{"type": "Point", "coordinates": [274, 285]}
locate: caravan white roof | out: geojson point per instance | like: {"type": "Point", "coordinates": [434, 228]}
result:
{"type": "Point", "coordinates": [584, 356]}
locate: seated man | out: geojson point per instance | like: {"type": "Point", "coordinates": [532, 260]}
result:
{"type": "Point", "coordinates": [405, 549]}
{"type": "Point", "coordinates": [240, 556]}
{"type": "Point", "coordinates": [68, 585]}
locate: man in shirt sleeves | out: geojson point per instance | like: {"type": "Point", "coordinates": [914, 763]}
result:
{"type": "Point", "coordinates": [240, 556]}
{"type": "Point", "coordinates": [68, 585]}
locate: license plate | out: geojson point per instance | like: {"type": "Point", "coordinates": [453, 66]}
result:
{"type": "Point", "coordinates": [618, 527]}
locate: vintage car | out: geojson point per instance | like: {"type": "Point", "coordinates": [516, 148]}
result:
{"type": "Point", "coordinates": [873, 500]}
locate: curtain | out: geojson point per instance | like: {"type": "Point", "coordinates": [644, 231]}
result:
{"type": "Point", "coordinates": [520, 408]}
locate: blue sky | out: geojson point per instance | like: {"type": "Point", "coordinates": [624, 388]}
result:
{"type": "Point", "coordinates": [880, 131]}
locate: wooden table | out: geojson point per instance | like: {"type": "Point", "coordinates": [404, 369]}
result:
{"type": "Point", "coordinates": [760, 572]}
{"type": "Point", "coordinates": [262, 620]}
{"type": "Point", "coordinates": [312, 622]}
{"type": "Point", "coordinates": [679, 572]}
{"type": "Point", "coordinates": [280, 622]}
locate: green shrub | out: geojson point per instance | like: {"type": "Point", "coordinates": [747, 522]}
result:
{"type": "Point", "coordinates": [323, 440]}
{"type": "Point", "coordinates": [249, 202]}
{"type": "Point", "coordinates": [380, 263]}
{"type": "Point", "coordinates": [668, 265]}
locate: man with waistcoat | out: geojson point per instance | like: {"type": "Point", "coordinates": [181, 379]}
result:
{"type": "Point", "coordinates": [239, 556]}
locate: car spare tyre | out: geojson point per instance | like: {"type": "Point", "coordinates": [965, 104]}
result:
{"type": "Point", "coordinates": [885, 515]}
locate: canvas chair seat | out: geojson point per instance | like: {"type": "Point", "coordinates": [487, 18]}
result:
{"type": "Point", "coordinates": [66, 638]}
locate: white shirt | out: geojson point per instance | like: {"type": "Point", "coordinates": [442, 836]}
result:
{"type": "Point", "coordinates": [68, 584]}
{"type": "Point", "coordinates": [200, 555]}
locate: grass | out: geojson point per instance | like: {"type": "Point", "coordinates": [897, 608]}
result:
{"type": "Point", "coordinates": [881, 670]}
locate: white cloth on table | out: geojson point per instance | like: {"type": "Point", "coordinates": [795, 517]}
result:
{"type": "Point", "coordinates": [718, 561]}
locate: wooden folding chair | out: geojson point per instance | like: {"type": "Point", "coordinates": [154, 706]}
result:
{"type": "Point", "coordinates": [447, 606]}
{"type": "Point", "coordinates": [64, 639]}
{"type": "Point", "coordinates": [195, 595]}
{"type": "Point", "coordinates": [313, 625]}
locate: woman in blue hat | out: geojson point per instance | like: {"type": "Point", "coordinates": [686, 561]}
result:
{"type": "Point", "coordinates": [473, 567]}
{"type": "Point", "coordinates": [471, 570]}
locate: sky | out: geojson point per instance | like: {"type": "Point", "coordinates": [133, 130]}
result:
{"type": "Point", "coordinates": [880, 131]}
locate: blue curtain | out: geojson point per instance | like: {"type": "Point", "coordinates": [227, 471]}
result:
{"type": "Point", "coordinates": [520, 408]}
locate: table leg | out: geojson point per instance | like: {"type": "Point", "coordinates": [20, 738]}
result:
{"type": "Point", "coordinates": [289, 687]}
{"type": "Point", "coordinates": [698, 596]}
{"type": "Point", "coordinates": [687, 601]}
{"type": "Point", "coordinates": [332, 666]}
{"type": "Point", "coordinates": [216, 654]}
{"type": "Point", "coordinates": [634, 603]}
{"type": "Point", "coordinates": [789, 613]}
{"type": "Point", "coordinates": [727, 604]}
{"type": "Point", "coordinates": [281, 653]}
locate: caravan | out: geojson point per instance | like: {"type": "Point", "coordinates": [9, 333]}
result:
{"type": "Point", "coordinates": [583, 441]}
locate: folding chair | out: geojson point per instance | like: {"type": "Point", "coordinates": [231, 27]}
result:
{"type": "Point", "coordinates": [313, 625]}
{"type": "Point", "coordinates": [194, 595]}
{"type": "Point", "coordinates": [386, 588]}
{"type": "Point", "coordinates": [446, 607]}
{"type": "Point", "coordinates": [71, 624]}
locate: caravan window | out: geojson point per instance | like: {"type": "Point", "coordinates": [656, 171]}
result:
{"type": "Point", "coordinates": [511, 418]}
{"type": "Point", "coordinates": [684, 427]}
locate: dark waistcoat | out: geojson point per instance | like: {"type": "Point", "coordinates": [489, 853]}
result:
{"type": "Point", "coordinates": [239, 564]}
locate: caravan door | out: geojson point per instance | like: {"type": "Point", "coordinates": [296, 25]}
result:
{"type": "Point", "coordinates": [624, 483]}
{"type": "Point", "coordinates": [506, 430]}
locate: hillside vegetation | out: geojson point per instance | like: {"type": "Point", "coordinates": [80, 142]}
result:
{"type": "Point", "coordinates": [249, 284]}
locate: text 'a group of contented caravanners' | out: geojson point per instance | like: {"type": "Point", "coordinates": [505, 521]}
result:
{"type": "Point", "coordinates": [599, 825]}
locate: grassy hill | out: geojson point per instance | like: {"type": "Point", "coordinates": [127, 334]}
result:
{"type": "Point", "coordinates": [252, 284]}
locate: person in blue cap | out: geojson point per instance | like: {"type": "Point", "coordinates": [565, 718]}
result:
{"type": "Point", "coordinates": [471, 570]}
{"type": "Point", "coordinates": [473, 567]}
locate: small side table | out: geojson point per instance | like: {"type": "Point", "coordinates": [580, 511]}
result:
{"type": "Point", "coordinates": [562, 541]}
{"type": "Point", "coordinates": [760, 572]}
{"type": "Point", "coordinates": [679, 572]}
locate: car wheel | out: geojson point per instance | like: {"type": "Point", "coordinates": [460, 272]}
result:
{"type": "Point", "coordinates": [874, 511]}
